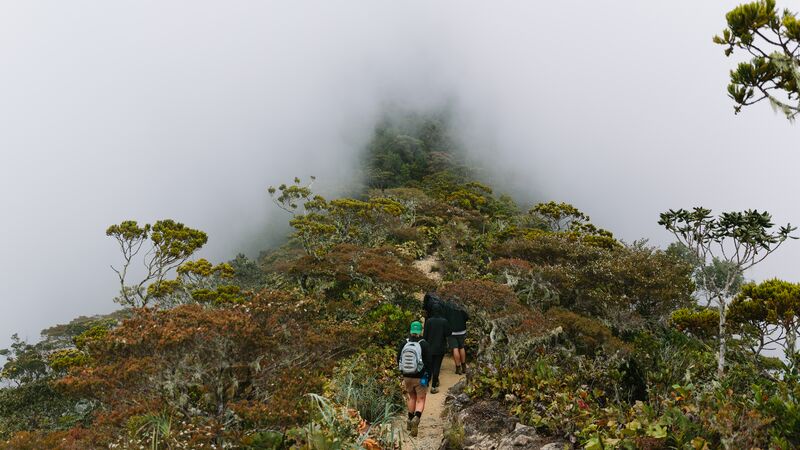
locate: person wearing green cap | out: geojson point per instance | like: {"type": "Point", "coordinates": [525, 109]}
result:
{"type": "Point", "coordinates": [414, 361]}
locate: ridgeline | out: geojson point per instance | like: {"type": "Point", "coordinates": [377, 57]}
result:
{"type": "Point", "coordinates": [576, 339]}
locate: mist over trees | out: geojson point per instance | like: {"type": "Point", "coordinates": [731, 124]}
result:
{"type": "Point", "coordinates": [599, 340]}
{"type": "Point", "coordinates": [581, 338]}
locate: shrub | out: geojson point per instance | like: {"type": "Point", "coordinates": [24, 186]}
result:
{"type": "Point", "coordinates": [482, 297]}
{"type": "Point", "coordinates": [38, 406]}
{"type": "Point", "coordinates": [62, 360]}
{"type": "Point", "coordinates": [390, 323]}
{"type": "Point", "coordinates": [338, 427]}
{"type": "Point", "coordinates": [668, 358]}
{"type": "Point", "coordinates": [631, 286]}
{"type": "Point", "coordinates": [589, 336]}
{"type": "Point", "coordinates": [454, 436]}
{"type": "Point", "coordinates": [701, 323]}
{"type": "Point", "coordinates": [513, 266]}
{"type": "Point", "coordinates": [95, 333]}
{"type": "Point", "coordinates": [369, 383]}
{"type": "Point", "coordinates": [400, 235]}
{"type": "Point", "coordinates": [347, 266]}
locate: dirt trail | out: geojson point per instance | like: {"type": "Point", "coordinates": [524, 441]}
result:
{"type": "Point", "coordinates": [429, 266]}
{"type": "Point", "coordinates": [431, 428]}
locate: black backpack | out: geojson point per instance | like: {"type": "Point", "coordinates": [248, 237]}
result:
{"type": "Point", "coordinates": [432, 302]}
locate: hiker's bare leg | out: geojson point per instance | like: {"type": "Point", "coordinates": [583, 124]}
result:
{"type": "Point", "coordinates": [412, 402]}
{"type": "Point", "coordinates": [462, 356]}
{"type": "Point", "coordinates": [456, 357]}
{"type": "Point", "coordinates": [420, 406]}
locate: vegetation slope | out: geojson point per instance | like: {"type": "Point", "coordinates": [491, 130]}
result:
{"type": "Point", "coordinates": [589, 339]}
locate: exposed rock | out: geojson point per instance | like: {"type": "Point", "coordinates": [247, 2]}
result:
{"type": "Point", "coordinates": [486, 417]}
{"type": "Point", "coordinates": [522, 438]}
{"type": "Point", "coordinates": [458, 388]}
{"type": "Point", "coordinates": [488, 426]}
{"type": "Point", "coordinates": [555, 446]}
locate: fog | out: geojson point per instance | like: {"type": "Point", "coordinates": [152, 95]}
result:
{"type": "Point", "coordinates": [190, 109]}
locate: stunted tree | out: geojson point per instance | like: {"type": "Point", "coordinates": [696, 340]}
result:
{"type": "Point", "coordinates": [321, 224]}
{"type": "Point", "coordinates": [198, 282]}
{"type": "Point", "coordinates": [560, 216]}
{"type": "Point", "coordinates": [772, 310]}
{"type": "Point", "coordinates": [25, 363]}
{"type": "Point", "coordinates": [167, 244]}
{"type": "Point", "coordinates": [708, 277]}
{"type": "Point", "coordinates": [738, 240]}
{"type": "Point", "coordinates": [772, 39]}
{"type": "Point", "coordinates": [567, 219]}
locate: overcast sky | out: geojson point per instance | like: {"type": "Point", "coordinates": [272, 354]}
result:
{"type": "Point", "coordinates": [190, 109]}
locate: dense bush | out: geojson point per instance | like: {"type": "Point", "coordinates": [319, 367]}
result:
{"type": "Point", "coordinates": [390, 323]}
{"type": "Point", "coordinates": [589, 336]}
{"type": "Point", "coordinates": [702, 323]}
{"type": "Point", "coordinates": [578, 334]}
{"type": "Point", "coordinates": [482, 297]}
{"type": "Point", "coordinates": [243, 366]}
{"type": "Point", "coordinates": [38, 405]}
{"type": "Point", "coordinates": [368, 382]}
{"type": "Point", "coordinates": [564, 397]}
{"type": "Point", "coordinates": [630, 286]}
{"type": "Point", "coordinates": [346, 267]}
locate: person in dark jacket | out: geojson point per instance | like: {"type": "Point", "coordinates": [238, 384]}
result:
{"type": "Point", "coordinates": [415, 390]}
{"type": "Point", "coordinates": [430, 301]}
{"type": "Point", "coordinates": [437, 330]}
{"type": "Point", "coordinates": [457, 317]}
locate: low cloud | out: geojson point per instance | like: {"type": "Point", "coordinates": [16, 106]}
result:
{"type": "Point", "coordinates": [190, 109]}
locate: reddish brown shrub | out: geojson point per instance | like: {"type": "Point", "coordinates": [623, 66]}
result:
{"type": "Point", "coordinates": [513, 266]}
{"type": "Point", "coordinates": [259, 359]}
{"type": "Point", "coordinates": [351, 264]}
{"type": "Point", "coordinates": [588, 335]}
{"type": "Point", "coordinates": [548, 248]}
{"type": "Point", "coordinates": [483, 296]}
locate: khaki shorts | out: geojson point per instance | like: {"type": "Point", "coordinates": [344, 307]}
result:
{"type": "Point", "coordinates": [412, 387]}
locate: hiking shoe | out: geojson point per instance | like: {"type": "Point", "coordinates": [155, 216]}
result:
{"type": "Point", "coordinates": [408, 424]}
{"type": "Point", "coordinates": [459, 370]}
{"type": "Point", "coordinates": [434, 390]}
{"type": "Point", "coordinates": [414, 426]}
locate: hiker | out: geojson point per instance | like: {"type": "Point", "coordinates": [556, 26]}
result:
{"type": "Point", "coordinates": [437, 330]}
{"type": "Point", "coordinates": [414, 360]}
{"type": "Point", "coordinates": [429, 302]}
{"type": "Point", "coordinates": [457, 317]}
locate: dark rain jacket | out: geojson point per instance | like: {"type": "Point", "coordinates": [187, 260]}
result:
{"type": "Point", "coordinates": [430, 302]}
{"type": "Point", "coordinates": [457, 317]}
{"type": "Point", "coordinates": [436, 331]}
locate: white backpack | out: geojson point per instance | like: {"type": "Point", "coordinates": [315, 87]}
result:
{"type": "Point", "coordinates": [411, 358]}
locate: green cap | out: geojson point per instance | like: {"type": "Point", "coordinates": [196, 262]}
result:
{"type": "Point", "coordinates": [416, 328]}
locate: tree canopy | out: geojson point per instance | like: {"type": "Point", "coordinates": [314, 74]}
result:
{"type": "Point", "coordinates": [771, 39]}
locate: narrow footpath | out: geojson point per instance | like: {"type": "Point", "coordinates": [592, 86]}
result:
{"type": "Point", "coordinates": [431, 427]}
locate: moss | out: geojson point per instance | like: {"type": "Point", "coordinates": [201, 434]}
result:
{"type": "Point", "coordinates": [454, 436]}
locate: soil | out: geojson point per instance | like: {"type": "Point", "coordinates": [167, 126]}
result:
{"type": "Point", "coordinates": [431, 427]}
{"type": "Point", "coordinates": [430, 267]}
